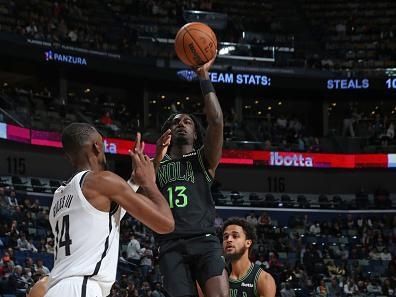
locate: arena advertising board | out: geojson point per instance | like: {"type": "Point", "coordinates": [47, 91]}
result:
{"type": "Point", "coordinates": [233, 157]}
{"type": "Point", "coordinates": [76, 59]}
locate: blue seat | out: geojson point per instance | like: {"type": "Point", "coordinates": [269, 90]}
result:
{"type": "Point", "coordinates": [4, 240]}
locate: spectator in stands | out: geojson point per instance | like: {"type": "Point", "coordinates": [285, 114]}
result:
{"type": "Point", "coordinates": [368, 238]}
{"type": "Point", "coordinates": [6, 258]}
{"type": "Point", "coordinates": [134, 250]}
{"type": "Point", "coordinates": [252, 218]}
{"type": "Point", "coordinates": [362, 286]}
{"type": "Point", "coordinates": [336, 228]}
{"type": "Point", "coordinates": [316, 146]}
{"type": "Point", "coordinates": [49, 246]}
{"type": "Point", "coordinates": [387, 289]}
{"type": "Point", "coordinates": [348, 121]}
{"type": "Point", "coordinates": [374, 287]}
{"type": "Point", "coordinates": [264, 219]}
{"type": "Point", "coordinates": [350, 288]}
{"type": "Point", "coordinates": [287, 291]}
{"type": "Point", "coordinates": [42, 218]}
{"type": "Point", "coordinates": [28, 263]}
{"type": "Point", "coordinates": [27, 277]}
{"type": "Point", "coordinates": [336, 271]}
{"type": "Point", "coordinates": [35, 207]}
{"type": "Point", "coordinates": [281, 122]}
{"type": "Point", "coordinates": [145, 290]}
{"type": "Point", "coordinates": [22, 243]}
{"type": "Point", "coordinates": [262, 262]}
{"type": "Point", "coordinates": [321, 289]}
{"type": "Point", "coordinates": [315, 228]}
{"type": "Point", "coordinates": [310, 258]}
{"type": "Point", "coordinates": [146, 260]}
{"type": "Point", "coordinates": [41, 267]}
{"type": "Point", "coordinates": [300, 142]}
{"type": "Point", "coordinates": [218, 223]}
{"type": "Point", "coordinates": [275, 265]}
{"type": "Point", "coordinates": [325, 228]}
{"type": "Point", "coordinates": [107, 121]}
{"type": "Point", "coordinates": [264, 223]}
{"type": "Point", "coordinates": [333, 288]}
{"type": "Point", "coordinates": [387, 136]}
{"type": "Point", "coordinates": [13, 234]}
{"type": "Point", "coordinates": [155, 275]}
{"type": "Point", "coordinates": [363, 223]}
{"type": "Point", "coordinates": [377, 126]}
{"type": "Point", "coordinates": [6, 269]}
{"type": "Point", "coordinates": [15, 282]}
{"type": "Point", "coordinates": [42, 245]}
{"type": "Point", "coordinates": [158, 291]}
{"type": "Point", "coordinates": [343, 252]}
{"type": "Point", "coordinates": [12, 200]}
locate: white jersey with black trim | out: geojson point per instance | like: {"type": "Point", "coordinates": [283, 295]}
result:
{"type": "Point", "coordinates": [86, 239]}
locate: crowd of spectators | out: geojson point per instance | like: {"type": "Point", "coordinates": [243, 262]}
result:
{"type": "Point", "coordinates": [347, 255]}
{"type": "Point", "coordinates": [25, 242]}
{"type": "Point", "coordinates": [356, 35]}
{"type": "Point", "coordinates": [272, 130]}
{"type": "Point", "coordinates": [376, 126]}
{"type": "Point", "coordinates": [346, 41]}
{"type": "Point", "coordinates": [308, 254]}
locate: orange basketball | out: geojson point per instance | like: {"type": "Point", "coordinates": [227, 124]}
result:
{"type": "Point", "coordinates": [195, 44]}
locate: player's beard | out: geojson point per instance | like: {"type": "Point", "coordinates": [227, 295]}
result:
{"type": "Point", "coordinates": [237, 255]}
{"type": "Point", "coordinates": [181, 140]}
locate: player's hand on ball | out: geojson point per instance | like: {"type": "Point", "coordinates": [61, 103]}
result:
{"type": "Point", "coordinates": [203, 71]}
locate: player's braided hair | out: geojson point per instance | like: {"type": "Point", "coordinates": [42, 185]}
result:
{"type": "Point", "coordinates": [199, 129]}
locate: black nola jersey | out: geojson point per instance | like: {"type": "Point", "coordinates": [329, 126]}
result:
{"type": "Point", "coordinates": [247, 285]}
{"type": "Point", "coordinates": [186, 183]}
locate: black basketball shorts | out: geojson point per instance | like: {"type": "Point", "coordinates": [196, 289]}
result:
{"type": "Point", "coordinates": [187, 260]}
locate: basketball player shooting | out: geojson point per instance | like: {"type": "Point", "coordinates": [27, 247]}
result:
{"type": "Point", "coordinates": [186, 162]}
{"type": "Point", "coordinates": [246, 278]}
{"type": "Point", "coordinates": [86, 212]}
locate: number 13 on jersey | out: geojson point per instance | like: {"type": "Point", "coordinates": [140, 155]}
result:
{"type": "Point", "coordinates": [176, 196]}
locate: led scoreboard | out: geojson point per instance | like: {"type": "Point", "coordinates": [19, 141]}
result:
{"type": "Point", "coordinates": [273, 81]}
{"type": "Point", "coordinates": [390, 83]}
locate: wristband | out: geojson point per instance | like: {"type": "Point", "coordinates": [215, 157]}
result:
{"type": "Point", "coordinates": [206, 87]}
{"type": "Point", "coordinates": [134, 186]}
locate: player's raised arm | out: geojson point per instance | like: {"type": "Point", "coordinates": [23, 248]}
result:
{"type": "Point", "coordinates": [151, 208]}
{"type": "Point", "coordinates": [213, 142]}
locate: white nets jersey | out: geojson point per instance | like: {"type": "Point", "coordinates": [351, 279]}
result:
{"type": "Point", "coordinates": [86, 239]}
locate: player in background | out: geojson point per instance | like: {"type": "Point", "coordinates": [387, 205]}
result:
{"type": "Point", "coordinates": [246, 278]}
{"type": "Point", "coordinates": [86, 212]}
